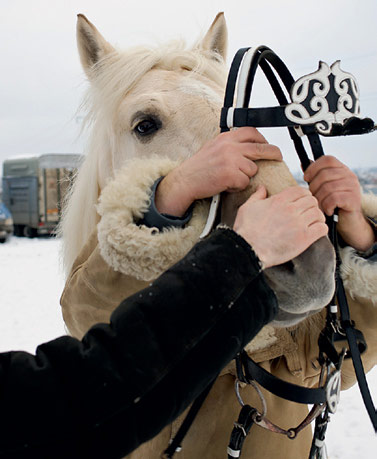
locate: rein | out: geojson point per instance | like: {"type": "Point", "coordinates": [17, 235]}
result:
{"type": "Point", "coordinates": [324, 102]}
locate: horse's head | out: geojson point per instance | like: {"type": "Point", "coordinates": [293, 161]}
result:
{"type": "Point", "coordinates": [166, 101]}
{"type": "Point", "coordinates": [157, 101]}
{"type": "Point", "coordinates": [304, 285]}
{"type": "Point", "coordinates": [143, 101]}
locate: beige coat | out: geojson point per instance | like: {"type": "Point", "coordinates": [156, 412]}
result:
{"type": "Point", "coordinates": [120, 258]}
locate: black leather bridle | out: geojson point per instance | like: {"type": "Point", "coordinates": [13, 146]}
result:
{"type": "Point", "coordinates": [332, 94]}
{"type": "Point", "coordinates": [339, 325]}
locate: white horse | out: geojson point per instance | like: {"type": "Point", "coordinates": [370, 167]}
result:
{"type": "Point", "coordinates": [165, 102]}
{"type": "Point", "coordinates": [179, 93]}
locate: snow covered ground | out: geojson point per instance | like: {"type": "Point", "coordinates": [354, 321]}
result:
{"type": "Point", "coordinates": [30, 287]}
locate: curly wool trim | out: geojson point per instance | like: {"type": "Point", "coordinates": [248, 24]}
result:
{"type": "Point", "coordinates": [369, 204]}
{"type": "Point", "coordinates": [359, 275]}
{"type": "Point", "coordinates": [135, 250]}
{"type": "Point", "coordinates": [265, 338]}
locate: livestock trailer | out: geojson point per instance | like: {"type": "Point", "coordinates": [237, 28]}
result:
{"type": "Point", "coordinates": [34, 188]}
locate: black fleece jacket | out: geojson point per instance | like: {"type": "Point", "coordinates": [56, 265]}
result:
{"type": "Point", "coordinates": [125, 381]}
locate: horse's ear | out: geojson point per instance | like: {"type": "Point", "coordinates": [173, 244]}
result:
{"type": "Point", "coordinates": [216, 39]}
{"type": "Point", "coordinates": [91, 44]}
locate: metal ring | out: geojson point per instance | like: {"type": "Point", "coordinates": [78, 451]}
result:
{"type": "Point", "coordinates": [237, 389]}
{"type": "Point", "coordinates": [261, 398]}
{"type": "Point", "coordinates": [291, 434]}
{"type": "Point", "coordinates": [258, 391]}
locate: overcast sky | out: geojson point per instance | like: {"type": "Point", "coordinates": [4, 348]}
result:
{"type": "Point", "coordinates": [41, 81]}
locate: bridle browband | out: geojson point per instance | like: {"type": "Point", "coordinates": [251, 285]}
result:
{"type": "Point", "coordinates": [324, 102]}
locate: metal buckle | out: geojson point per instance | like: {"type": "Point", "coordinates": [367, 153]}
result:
{"type": "Point", "coordinates": [241, 427]}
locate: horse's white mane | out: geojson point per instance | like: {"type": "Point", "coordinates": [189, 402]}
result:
{"type": "Point", "coordinates": [114, 77]}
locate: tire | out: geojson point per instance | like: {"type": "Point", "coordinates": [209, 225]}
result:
{"type": "Point", "coordinates": [18, 230]}
{"type": "Point", "coordinates": [30, 232]}
{"type": "Point", "coordinates": [2, 240]}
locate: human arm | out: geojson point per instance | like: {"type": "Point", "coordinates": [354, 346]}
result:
{"type": "Point", "coordinates": [163, 348]}
{"type": "Point", "coordinates": [225, 163]}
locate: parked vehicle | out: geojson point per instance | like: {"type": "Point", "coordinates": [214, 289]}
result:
{"type": "Point", "coordinates": [6, 223]}
{"type": "Point", "coordinates": [34, 188]}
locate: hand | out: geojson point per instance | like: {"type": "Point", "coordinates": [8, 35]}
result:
{"type": "Point", "coordinates": [225, 163]}
{"type": "Point", "coordinates": [282, 226]}
{"type": "Point", "coordinates": [335, 185]}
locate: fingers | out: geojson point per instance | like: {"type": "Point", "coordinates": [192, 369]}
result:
{"type": "Point", "coordinates": [312, 215]}
{"type": "Point", "coordinates": [251, 150]}
{"type": "Point", "coordinates": [326, 176]}
{"type": "Point", "coordinates": [341, 199]}
{"type": "Point", "coordinates": [302, 205]}
{"type": "Point", "coordinates": [258, 195]}
{"type": "Point", "coordinates": [237, 182]}
{"type": "Point", "coordinates": [311, 218]}
{"type": "Point", "coordinates": [306, 203]}
{"type": "Point", "coordinates": [291, 219]}
{"type": "Point", "coordinates": [316, 231]}
{"type": "Point", "coordinates": [334, 185]}
{"type": "Point", "coordinates": [242, 160]}
{"type": "Point", "coordinates": [292, 194]}
{"type": "Point", "coordinates": [248, 167]}
{"type": "Point", "coordinates": [322, 163]}
{"type": "Point", "coordinates": [245, 134]}
{"type": "Point", "coordinates": [255, 151]}
{"type": "Point", "coordinates": [225, 163]}
{"type": "Point", "coordinates": [256, 146]}
{"type": "Point", "coordinates": [327, 171]}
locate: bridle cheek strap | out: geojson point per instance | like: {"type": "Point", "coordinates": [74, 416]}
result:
{"type": "Point", "coordinates": [244, 55]}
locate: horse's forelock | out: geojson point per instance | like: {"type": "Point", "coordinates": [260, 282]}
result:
{"type": "Point", "coordinates": [117, 73]}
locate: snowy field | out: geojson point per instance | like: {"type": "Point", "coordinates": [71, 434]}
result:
{"type": "Point", "coordinates": [30, 287]}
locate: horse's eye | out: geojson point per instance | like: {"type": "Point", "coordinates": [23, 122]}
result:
{"type": "Point", "coordinates": [147, 127]}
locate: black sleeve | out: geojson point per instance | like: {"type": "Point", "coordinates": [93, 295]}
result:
{"type": "Point", "coordinates": [105, 395]}
{"type": "Point", "coordinates": [153, 218]}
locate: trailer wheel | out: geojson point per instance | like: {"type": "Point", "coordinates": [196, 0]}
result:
{"type": "Point", "coordinates": [18, 230]}
{"type": "Point", "coordinates": [30, 232]}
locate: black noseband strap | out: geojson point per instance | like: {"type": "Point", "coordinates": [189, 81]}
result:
{"type": "Point", "coordinates": [276, 117]}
